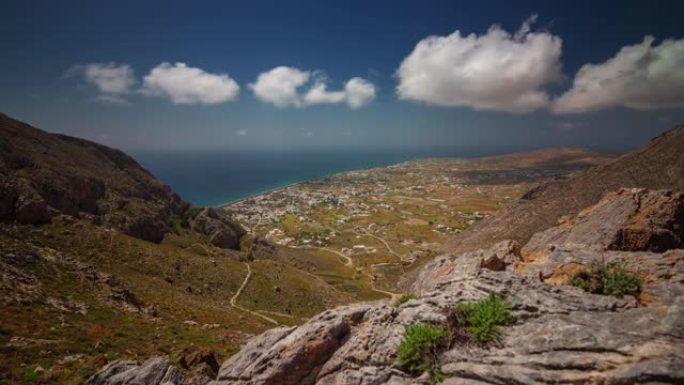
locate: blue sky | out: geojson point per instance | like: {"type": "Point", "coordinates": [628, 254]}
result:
{"type": "Point", "coordinates": [53, 53]}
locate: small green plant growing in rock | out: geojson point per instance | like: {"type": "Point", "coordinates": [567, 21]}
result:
{"type": "Point", "coordinates": [483, 318]}
{"type": "Point", "coordinates": [607, 280]}
{"type": "Point", "coordinates": [404, 298]}
{"type": "Point", "coordinates": [419, 351]}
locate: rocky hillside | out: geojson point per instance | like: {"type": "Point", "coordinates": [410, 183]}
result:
{"type": "Point", "coordinates": [586, 287]}
{"type": "Point", "coordinates": [43, 175]}
{"type": "Point", "coordinates": [597, 299]}
{"type": "Point", "coordinates": [657, 165]}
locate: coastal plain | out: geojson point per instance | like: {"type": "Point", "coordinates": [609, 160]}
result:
{"type": "Point", "coordinates": [366, 233]}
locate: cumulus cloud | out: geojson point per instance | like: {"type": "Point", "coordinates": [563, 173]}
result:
{"type": "Point", "coordinates": [280, 86]}
{"type": "Point", "coordinates": [189, 85]}
{"type": "Point", "coordinates": [112, 80]}
{"type": "Point", "coordinates": [357, 93]}
{"type": "Point", "coordinates": [283, 87]}
{"type": "Point", "coordinates": [493, 71]}
{"type": "Point", "coordinates": [641, 76]}
{"type": "Point", "coordinates": [319, 94]}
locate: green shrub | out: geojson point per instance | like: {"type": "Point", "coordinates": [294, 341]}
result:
{"type": "Point", "coordinates": [419, 351]}
{"type": "Point", "coordinates": [607, 280]}
{"type": "Point", "coordinates": [404, 298]}
{"type": "Point", "coordinates": [482, 318]}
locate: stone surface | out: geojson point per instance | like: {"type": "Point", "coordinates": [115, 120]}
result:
{"type": "Point", "coordinates": [298, 355]}
{"type": "Point", "coordinates": [154, 371]}
{"type": "Point", "coordinates": [626, 220]}
{"type": "Point", "coordinates": [200, 361]}
{"type": "Point", "coordinates": [219, 227]}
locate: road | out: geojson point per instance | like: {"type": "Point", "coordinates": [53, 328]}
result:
{"type": "Point", "coordinates": [348, 261]}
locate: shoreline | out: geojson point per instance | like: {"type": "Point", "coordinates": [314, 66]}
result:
{"type": "Point", "coordinates": [413, 159]}
{"type": "Point", "coordinates": [268, 191]}
{"type": "Point", "coordinates": [250, 196]}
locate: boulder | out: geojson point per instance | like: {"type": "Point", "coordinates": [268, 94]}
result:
{"type": "Point", "coordinates": [657, 226]}
{"type": "Point", "coordinates": [627, 220]}
{"type": "Point", "coordinates": [154, 371]}
{"type": "Point", "coordinates": [292, 356]}
{"type": "Point", "coordinates": [29, 207]}
{"type": "Point", "coordinates": [219, 227]}
{"type": "Point", "coordinates": [31, 211]}
{"type": "Point", "coordinates": [201, 361]}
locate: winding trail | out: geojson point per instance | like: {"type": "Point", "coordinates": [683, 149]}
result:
{"type": "Point", "coordinates": [392, 295]}
{"type": "Point", "coordinates": [384, 242]}
{"type": "Point", "coordinates": [233, 299]}
{"type": "Point", "coordinates": [349, 262]}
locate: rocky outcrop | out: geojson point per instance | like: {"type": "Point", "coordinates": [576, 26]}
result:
{"type": "Point", "coordinates": [635, 220]}
{"type": "Point", "coordinates": [154, 371]}
{"type": "Point", "coordinates": [219, 227]}
{"type": "Point", "coordinates": [657, 165]}
{"type": "Point", "coordinates": [561, 334]}
{"type": "Point", "coordinates": [658, 224]}
{"type": "Point", "coordinates": [43, 175]}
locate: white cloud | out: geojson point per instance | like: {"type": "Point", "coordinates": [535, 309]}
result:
{"type": "Point", "coordinates": [357, 93]}
{"type": "Point", "coordinates": [282, 86]}
{"type": "Point", "coordinates": [189, 85]}
{"type": "Point", "coordinates": [493, 71]}
{"type": "Point", "coordinates": [319, 94]}
{"type": "Point", "coordinates": [640, 76]}
{"type": "Point", "coordinates": [279, 86]}
{"type": "Point", "coordinates": [112, 80]}
{"type": "Point", "coordinates": [242, 132]}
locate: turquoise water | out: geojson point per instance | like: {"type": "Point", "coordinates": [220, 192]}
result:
{"type": "Point", "coordinates": [216, 177]}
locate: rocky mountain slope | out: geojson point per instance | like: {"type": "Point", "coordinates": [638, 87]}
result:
{"type": "Point", "coordinates": [657, 165]}
{"type": "Point", "coordinates": [99, 261]}
{"type": "Point", "coordinates": [43, 175]}
{"type": "Point", "coordinates": [557, 332]}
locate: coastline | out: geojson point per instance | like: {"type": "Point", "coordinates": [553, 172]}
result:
{"type": "Point", "coordinates": [272, 190]}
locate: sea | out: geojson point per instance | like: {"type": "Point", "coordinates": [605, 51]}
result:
{"type": "Point", "coordinates": [218, 177]}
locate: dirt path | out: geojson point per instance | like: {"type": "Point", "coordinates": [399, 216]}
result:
{"type": "Point", "coordinates": [384, 242]}
{"type": "Point", "coordinates": [393, 296]}
{"type": "Point", "coordinates": [349, 262]}
{"type": "Point", "coordinates": [233, 300]}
